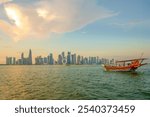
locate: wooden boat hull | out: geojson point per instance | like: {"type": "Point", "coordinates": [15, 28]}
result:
{"type": "Point", "coordinates": [132, 66]}
{"type": "Point", "coordinates": [122, 68]}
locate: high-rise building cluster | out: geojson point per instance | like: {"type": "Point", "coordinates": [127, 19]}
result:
{"type": "Point", "coordinates": [22, 61]}
{"type": "Point", "coordinates": [68, 59]}
{"type": "Point", "coordinates": [46, 60]}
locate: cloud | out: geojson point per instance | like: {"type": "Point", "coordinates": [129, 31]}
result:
{"type": "Point", "coordinates": [50, 16]}
{"type": "Point", "coordinates": [4, 1]}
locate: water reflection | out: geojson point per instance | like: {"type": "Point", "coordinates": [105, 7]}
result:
{"type": "Point", "coordinates": [131, 74]}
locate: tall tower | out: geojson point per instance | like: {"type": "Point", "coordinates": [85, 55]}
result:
{"type": "Point", "coordinates": [30, 57]}
{"type": "Point", "coordinates": [63, 58]}
{"type": "Point", "coordinates": [60, 59]}
{"type": "Point", "coordinates": [50, 59]}
{"type": "Point", "coordinates": [69, 58]}
{"type": "Point", "coordinates": [73, 58]}
{"type": "Point", "coordinates": [78, 60]}
{"type": "Point", "coordinates": [22, 59]}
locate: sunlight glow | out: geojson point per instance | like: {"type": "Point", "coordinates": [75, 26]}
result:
{"type": "Point", "coordinates": [14, 16]}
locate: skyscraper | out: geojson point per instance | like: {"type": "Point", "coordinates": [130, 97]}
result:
{"type": "Point", "coordinates": [74, 59]}
{"type": "Point", "coordinates": [78, 60]}
{"type": "Point", "coordinates": [13, 60]}
{"type": "Point", "coordinates": [81, 60]}
{"type": "Point", "coordinates": [63, 55]}
{"type": "Point", "coordinates": [85, 60]}
{"type": "Point", "coordinates": [30, 57]}
{"type": "Point", "coordinates": [69, 58]}
{"type": "Point", "coordinates": [50, 59]}
{"type": "Point", "coordinates": [22, 59]}
{"type": "Point", "coordinates": [45, 60]}
{"type": "Point", "coordinates": [63, 58]}
{"type": "Point", "coordinates": [8, 60]}
{"type": "Point", "coordinates": [60, 60]}
{"type": "Point", "coordinates": [39, 60]}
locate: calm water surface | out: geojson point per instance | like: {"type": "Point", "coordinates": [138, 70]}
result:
{"type": "Point", "coordinates": [72, 82]}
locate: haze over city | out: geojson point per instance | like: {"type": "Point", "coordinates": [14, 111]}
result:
{"type": "Point", "coordinates": [105, 28]}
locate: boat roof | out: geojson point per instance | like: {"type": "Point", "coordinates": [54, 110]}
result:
{"type": "Point", "coordinates": [132, 60]}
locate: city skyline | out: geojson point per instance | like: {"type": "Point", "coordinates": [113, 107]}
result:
{"type": "Point", "coordinates": [106, 28]}
{"type": "Point", "coordinates": [20, 61]}
{"type": "Point", "coordinates": [67, 58]}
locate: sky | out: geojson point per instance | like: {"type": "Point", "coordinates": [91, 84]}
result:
{"type": "Point", "coordinates": [105, 28]}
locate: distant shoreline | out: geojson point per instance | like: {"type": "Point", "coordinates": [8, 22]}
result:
{"type": "Point", "coordinates": [49, 65]}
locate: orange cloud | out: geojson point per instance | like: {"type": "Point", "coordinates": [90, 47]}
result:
{"type": "Point", "coordinates": [47, 17]}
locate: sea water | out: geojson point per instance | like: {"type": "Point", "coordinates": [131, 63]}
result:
{"type": "Point", "coordinates": [88, 82]}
